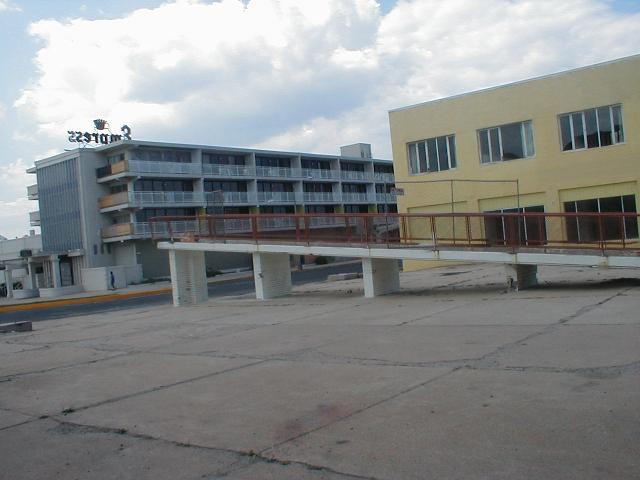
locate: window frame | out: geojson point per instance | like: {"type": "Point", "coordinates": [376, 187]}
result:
{"type": "Point", "coordinates": [415, 146]}
{"type": "Point", "coordinates": [584, 128]}
{"type": "Point", "coordinates": [523, 225]}
{"type": "Point", "coordinates": [523, 139]}
{"type": "Point", "coordinates": [598, 201]}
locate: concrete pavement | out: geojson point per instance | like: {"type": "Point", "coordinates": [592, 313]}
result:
{"type": "Point", "coordinates": [453, 377]}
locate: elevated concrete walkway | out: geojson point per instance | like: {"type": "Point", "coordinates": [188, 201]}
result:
{"type": "Point", "coordinates": [272, 274]}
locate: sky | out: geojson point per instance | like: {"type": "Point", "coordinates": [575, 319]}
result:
{"type": "Point", "coordinates": [301, 75]}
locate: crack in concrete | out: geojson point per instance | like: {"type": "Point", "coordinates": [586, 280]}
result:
{"type": "Point", "coordinates": [604, 372]}
{"type": "Point", "coordinates": [31, 420]}
{"type": "Point", "coordinates": [491, 358]}
{"type": "Point", "coordinates": [245, 459]}
{"type": "Point", "coordinates": [469, 363]}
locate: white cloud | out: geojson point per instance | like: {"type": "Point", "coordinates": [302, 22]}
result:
{"type": "Point", "coordinates": [6, 6]}
{"type": "Point", "coordinates": [3, 111]}
{"type": "Point", "coordinates": [300, 75]}
{"type": "Point", "coordinates": [266, 71]}
{"type": "Point", "coordinates": [14, 179]}
{"type": "Point", "coordinates": [224, 72]}
{"type": "Point", "coordinates": [15, 217]}
{"type": "Point", "coordinates": [14, 205]}
{"type": "Point", "coordinates": [428, 49]}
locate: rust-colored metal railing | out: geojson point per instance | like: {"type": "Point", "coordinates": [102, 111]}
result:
{"type": "Point", "coordinates": [501, 231]}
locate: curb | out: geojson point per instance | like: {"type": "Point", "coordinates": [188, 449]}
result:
{"type": "Point", "coordinates": [79, 301]}
{"type": "Point", "coordinates": [97, 298]}
{"type": "Point", "coordinates": [123, 296]}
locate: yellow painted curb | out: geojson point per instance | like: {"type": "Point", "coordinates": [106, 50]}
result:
{"type": "Point", "coordinates": [79, 301]}
{"type": "Point", "coordinates": [96, 298]}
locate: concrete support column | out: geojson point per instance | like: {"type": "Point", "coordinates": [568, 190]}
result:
{"type": "Point", "coordinates": [521, 276]}
{"type": "Point", "coordinates": [380, 275]}
{"type": "Point", "coordinates": [272, 275]}
{"type": "Point", "coordinates": [55, 271]}
{"type": "Point", "coordinates": [33, 284]}
{"type": "Point", "coordinates": [8, 281]}
{"type": "Point", "coordinates": [188, 277]}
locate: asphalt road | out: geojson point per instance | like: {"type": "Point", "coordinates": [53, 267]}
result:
{"type": "Point", "coordinates": [237, 287]}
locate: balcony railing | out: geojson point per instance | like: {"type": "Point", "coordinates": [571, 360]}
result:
{"type": "Point", "coordinates": [112, 169]}
{"type": "Point", "coordinates": [359, 176]}
{"type": "Point", "coordinates": [228, 170]}
{"type": "Point", "coordinates": [348, 197]}
{"type": "Point", "coordinates": [385, 198]}
{"type": "Point", "coordinates": [117, 230]}
{"type": "Point", "coordinates": [321, 197]}
{"type": "Point", "coordinates": [120, 198]}
{"type": "Point", "coordinates": [383, 177]}
{"type": "Point", "coordinates": [279, 172]}
{"type": "Point", "coordinates": [34, 218]}
{"type": "Point", "coordinates": [140, 199]}
{"type": "Point", "coordinates": [320, 174]}
{"type": "Point", "coordinates": [32, 192]}
{"type": "Point", "coordinates": [175, 168]}
{"type": "Point", "coordinates": [230, 198]}
{"type": "Point", "coordinates": [283, 197]}
{"type": "Point", "coordinates": [154, 198]}
{"type": "Point", "coordinates": [147, 230]}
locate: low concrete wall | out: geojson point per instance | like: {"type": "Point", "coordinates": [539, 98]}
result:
{"type": "Point", "coordinates": [99, 279]}
{"type": "Point", "coordinates": [95, 279]}
{"type": "Point", "coordinates": [133, 273]}
{"type": "Point", "coordinates": [26, 293]}
{"type": "Point", "coordinates": [59, 292]}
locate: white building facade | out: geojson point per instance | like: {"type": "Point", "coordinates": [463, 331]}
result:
{"type": "Point", "coordinates": [95, 203]}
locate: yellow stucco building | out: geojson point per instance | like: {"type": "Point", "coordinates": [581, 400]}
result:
{"type": "Point", "coordinates": [570, 139]}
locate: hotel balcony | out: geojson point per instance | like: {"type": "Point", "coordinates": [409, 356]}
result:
{"type": "Point", "coordinates": [276, 197]}
{"type": "Point", "coordinates": [230, 198]}
{"type": "Point", "coordinates": [385, 198]}
{"type": "Point", "coordinates": [356, 198]}
{"type": "Point", "coordinates": [356, 176]}
{"type": "Point", "coordinates": [34, 218]}
{"type": "Point", "coordinates": [32, 192]}
{"type": "Point", "coordinates": [136, 167]}
{"type": "Point", "coordinates": [118, 230]}
{"type": "Point", "coordinates": [321, 197]}
{"type": "Point", "coordinates": [140, 199]}
{"type": "Point", "coordinates": [228, 170]}
{"type": "Point", "coordinates": [112, 169]}
{"type": "Point", "coordinates": [278, 172]}
{"type": "Point", "coordinates": [129, 231]}
{"type": "Point", "coordinates": [171, 168]}
{"type": "Point", "coordinates": [318, 174]}
{"type": "Point", "coordinates": [166, 198]}
{"type": "Point", "coordinates": [120, 199]}
{"type": "Point", "coordinates": [383, 177]}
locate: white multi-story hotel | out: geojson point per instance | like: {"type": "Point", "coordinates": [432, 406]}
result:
{"type": "Point", "coordinates": [95, 203]}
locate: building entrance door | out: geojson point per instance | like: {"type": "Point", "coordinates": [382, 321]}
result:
{"type": "Point", "coordinates": [66, 272]}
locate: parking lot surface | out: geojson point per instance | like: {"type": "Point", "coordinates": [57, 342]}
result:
{"type": "Point", "coordinates": [452, 377]}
